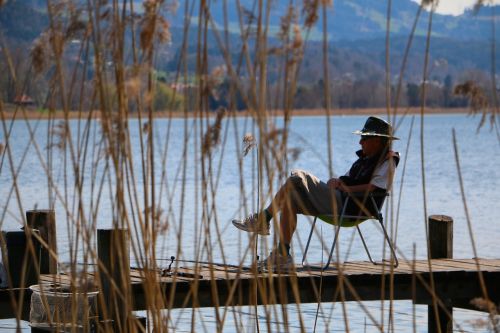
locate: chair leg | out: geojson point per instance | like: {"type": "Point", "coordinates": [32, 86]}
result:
{"type": "Point", "coordinates": [308, 241]}
{"type": "Point", "coordinates": [391, 247]}
{"type": "Point", "coordinates": [364, 245]}
{"type": "Point", "coordinates": [386, 239]}
{"type": "Point", "coordinates": [330, 255]}
{"type": "Point", "coordinates": [337, 231]}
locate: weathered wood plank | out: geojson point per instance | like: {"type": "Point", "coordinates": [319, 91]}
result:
{"type": "Point", "coordinates": [490, 265]}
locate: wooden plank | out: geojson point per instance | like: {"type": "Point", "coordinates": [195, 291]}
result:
{"type": "Point", "coordinates": [423, 267]}
{"type": "Point", "coordinates": [134, 280]}
{"type": "Point", "coordinates": [492, 262]}
{"type": "Point", "coordinates": [355, 268]}
{"type": "Point", "coordinates": [492, 265]}
{"type": "Point", "coordinates": [454, 265]}
{"type": "Point", "coordinates": [404, 270]}
{"type": "Point", "coordinates": [408, 266]}
{"type": "Point", "coordinates": [457, 262]}
{"type": "Point", "coordinates": [447, 267]}
{"type": "Point", "coordinates": [419, 266]}
{"type": "Point", "coordinates": [366, 268]}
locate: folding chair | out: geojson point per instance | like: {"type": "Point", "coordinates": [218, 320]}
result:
{"type": "Point", "coordinates": [369, 208]}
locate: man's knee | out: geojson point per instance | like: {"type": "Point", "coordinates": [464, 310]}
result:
{"type": "Point", "coordinates": [294, 198]}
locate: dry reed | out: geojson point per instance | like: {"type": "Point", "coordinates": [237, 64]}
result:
{"type": "Point", "coordinates": [149, 196]}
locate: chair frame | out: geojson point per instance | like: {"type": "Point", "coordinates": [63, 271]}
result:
{"type": "Point", "coordinates": [358, 220]}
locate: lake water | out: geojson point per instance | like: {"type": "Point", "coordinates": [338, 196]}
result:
{"type": "Point", "coordinates": [479, 157]}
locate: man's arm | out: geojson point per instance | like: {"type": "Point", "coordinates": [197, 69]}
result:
{"type": "Point", "coordinates": [336, 183]}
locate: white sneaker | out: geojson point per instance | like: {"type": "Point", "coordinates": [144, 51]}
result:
{"type": "Point", "coordinates": [277, 262]}
{"type": "Point", "coordinates": [253, 223]}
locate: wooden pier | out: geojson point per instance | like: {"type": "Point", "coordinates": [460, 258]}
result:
{"type": "Point", "coordinates": [457, 281]}
{"type": "Point", "coordinates": [441, 282]}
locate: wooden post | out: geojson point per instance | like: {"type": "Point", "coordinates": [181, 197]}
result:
{"type": "Point", "coordinates": [45, 222]}
{"type": "Point", "coordinates": [441, 247]}
{"type": "Point", "coordinates": [20, 256]}
{"type": "Point", "coordinates": [114, 274]}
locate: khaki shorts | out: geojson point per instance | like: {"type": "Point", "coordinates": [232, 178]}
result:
{"type": "Point", "coordinates": [311, 196]}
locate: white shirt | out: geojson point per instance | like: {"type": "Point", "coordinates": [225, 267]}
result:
{"type": "Point", "coordinates": [383, 174]}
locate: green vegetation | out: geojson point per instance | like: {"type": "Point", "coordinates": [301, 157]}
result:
{"type": "Point", "coordinates": [166, 99]}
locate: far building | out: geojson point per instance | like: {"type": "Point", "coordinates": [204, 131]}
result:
{"type": "Point", "coordinates": [23, 100]}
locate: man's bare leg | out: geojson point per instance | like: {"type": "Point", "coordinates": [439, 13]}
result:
{"type": "Point", "coordinates": [288, 217]}
{"type": "Point", "coordinates": [288, 224]}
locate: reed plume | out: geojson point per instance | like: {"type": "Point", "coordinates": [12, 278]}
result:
{"type": "Point", "coordinates": [249, 143]}
{"type": "Point", "coordinates": [475, 94]}
{"type": "Point", "coordinates": [310, 12]}
{"type": "Point", "coordinates": [153, 25]}
{"type": "Point", "coordinates": [212, 136]}
{"type": "Point", "coordinates": [489, 307]}
{"type": "Point", "coordinates": [478, 101]}
{"type": "Point", "coordinates": [76, 26]}
{"type": "Point", "coordinates": [157, 215]}
{"type": "Point", "coordinates": [39, 53]}
{"type": "Point", "coordinates": [485, 305]}
{"type": "Point", "coordinates": [213, 80]}
{"type": "Point", "coordinates": [286, 21]}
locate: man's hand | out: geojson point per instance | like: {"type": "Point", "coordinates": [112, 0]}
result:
{"type": "Point", "coordinates": [334, 183]}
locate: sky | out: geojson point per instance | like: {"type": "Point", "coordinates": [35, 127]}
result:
{"type": "Point", "coordinates": [456, 7]}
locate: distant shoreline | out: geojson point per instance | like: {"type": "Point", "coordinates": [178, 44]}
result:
{"type": "Point", "coordinates": [32, 114]}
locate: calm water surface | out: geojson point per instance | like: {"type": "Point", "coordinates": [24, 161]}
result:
{"type": "Point", "coordinates": [479, 157]}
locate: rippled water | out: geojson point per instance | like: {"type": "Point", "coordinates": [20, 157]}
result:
{"type": "Point", "coordinates": [479, 157]}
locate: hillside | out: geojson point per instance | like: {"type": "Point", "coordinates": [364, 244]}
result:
{"type": "Point", "coordinates": [362, 19]}
{"type": "Point", "coordinates": [357, 52]}
{"type": "Point", "coordinates": [347, 19]}
{"type": "Point", "coordinates": [22, 20]}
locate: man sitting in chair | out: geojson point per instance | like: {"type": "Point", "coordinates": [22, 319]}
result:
{"type": "Point", "coordinates": [303, 193]}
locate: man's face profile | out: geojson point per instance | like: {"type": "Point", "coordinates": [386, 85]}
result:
{"type": "Point", "coordinates": [370, 144]}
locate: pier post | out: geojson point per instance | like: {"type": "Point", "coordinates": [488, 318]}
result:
{"type": "Point", "coordinates": [45, 222]}
{"type": "Point", "coordinates": [20, 255]}
{"type": "Point", "coordinates": [440, 247]}
{"type": "Point", "coordinates": [114, 274]}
